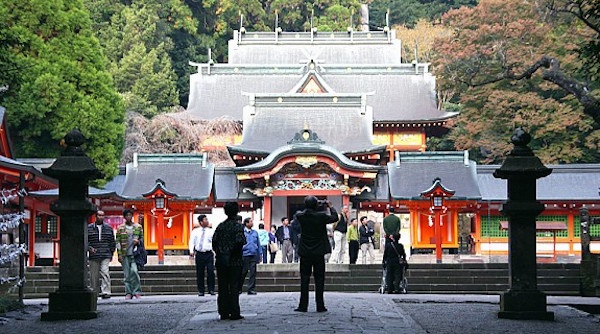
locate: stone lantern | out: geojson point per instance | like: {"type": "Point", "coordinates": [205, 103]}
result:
{"type": "Point", "coordinates": [73, 170]}
{"type": "Point", "coordinates": [521, 169]}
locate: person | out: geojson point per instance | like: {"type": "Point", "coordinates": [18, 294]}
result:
{"type": "Point", "coordinates": [286, 238]}
{"type": "Point", "coordinates": [331, 242]}
{"type": "Point", "coordinates": [365, 238]}
{"type": "Point", "coordinates": [263, 236]}
{"type": "Point", "coordinates": [391, 225]}
{"type": "Point", "coordinates": [353, 244]}
{"type": "Point", "coordinates": [297, 234]}
{"type": "Point", "coordinates": [313, 247]}
{"type": "Point", "coordinates": [394, 259]}
{"type": "Point", "coordinates": [339, 236]}
{"type": "Point", "coordinates": [129, 235]}
{"type": "Point", "coordinates": [201, 250]}
{"type": "Point", "coordinates": [228, 242]}
{"type": "Point", "coordinates": [272, 239]}
{"type": "Point", "coordinates": [101, 247]}
{"type": "Point", "coordinates": [252, 252]}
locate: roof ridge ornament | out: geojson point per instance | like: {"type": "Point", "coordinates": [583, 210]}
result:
{"type": "Point", "coordinates": [306, 135]}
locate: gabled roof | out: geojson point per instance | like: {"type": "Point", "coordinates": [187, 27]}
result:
{"type": "Point", "coordinates": [412, 173]}
{"type": "Point", "coordinates": [400, 93]}
{"type": "Point", "coordinates": [189, 176]}
{"type": "Point", "coordinates": [344, 122]}
{"type": "Point", "coordinates": [573, 182]}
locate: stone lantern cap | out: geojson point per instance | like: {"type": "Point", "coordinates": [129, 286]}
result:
{"type": "Point", "coordinates": [521, 162]}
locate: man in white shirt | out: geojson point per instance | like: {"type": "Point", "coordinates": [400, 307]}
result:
{"type": "Point", "coordinates": [201, 249]}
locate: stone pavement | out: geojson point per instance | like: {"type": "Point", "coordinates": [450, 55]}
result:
{"type": "Point", "coordinates": [273, 313]}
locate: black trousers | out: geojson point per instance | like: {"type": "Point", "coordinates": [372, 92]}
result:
{"type": "Point", "coordinates": [228, 299]}
{"type": "Point", "coordinates": [353, 248]}
{"type": "Point", "coordinates": [206, 261]}
{"type": "Point", "coordinates": [314, 265]}
{"type": "Point", "coordinates": [394, 276]}
{"type": "Point", "coordinates": [249, 266]}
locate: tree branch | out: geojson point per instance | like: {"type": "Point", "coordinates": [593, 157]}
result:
{"type": "Point", "coordinates": [553, 74]}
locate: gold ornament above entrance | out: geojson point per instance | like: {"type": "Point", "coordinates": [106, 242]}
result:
{"type": "Point", "coordinates": [306, 161]}
{"type": "Point", "coordinates": [308, 184]}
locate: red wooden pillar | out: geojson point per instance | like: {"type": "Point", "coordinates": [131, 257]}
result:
{"type": "Point", "coordinates": [31, 234]}
{"type": "Point", "coordinates": [160, 238]}
{"type": "Point", "coordinates": [438, 236]}
{"type": "Point", "coordinates": [267, 203]}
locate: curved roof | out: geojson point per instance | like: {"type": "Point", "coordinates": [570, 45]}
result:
{"type": "Point", "coordinates": [345, 124]}
{"type": "Point", "coordinates": [399, 93]}
{"type": "Point", "coordinates": [415, 172]}
{"type": "Point", "coordinates": [300, 149]}
{"type": "Point", "coordinates": [189, 177]}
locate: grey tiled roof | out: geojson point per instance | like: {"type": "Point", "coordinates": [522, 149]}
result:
{"type": "Point", "coordinates": [186, 178]}
{"type": "Point", "coordinates": [398, 94]}
{"type": "Point", "coordinates": [344, 127]}
{"type": "Point", "coordinates": [227, 187]}
{"type": "Point", "coordinates": [17, 165]}
{"type": "Point", "coordinates": [575, 182]}
{"type": "Point", "coordinates": [92, 192]}
{"type": "Point", "coordinates": [327, 47]}
{"type": "Point", "coordinates": [416, 172]}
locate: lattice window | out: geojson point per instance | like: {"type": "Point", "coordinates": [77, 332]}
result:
{"type": "Point", "coordinates": [490, 227]}
{"type": "Point", "coordinates": [38, 224]}
{"type": "Point", "coordinates": [594, 229]}
{"type": "Point", "coordinates": [53, 226]}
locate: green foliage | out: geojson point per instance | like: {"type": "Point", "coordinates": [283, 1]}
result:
{"type": "Point", "coordinates": [60, 82]}
{"type": "Point", "coordinates": [408, 12]}
{"type": "Point", "coordinates": [500, 36]}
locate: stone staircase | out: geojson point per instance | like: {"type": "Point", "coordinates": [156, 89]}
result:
{"type": "Point", "coordinates": [446, 278]}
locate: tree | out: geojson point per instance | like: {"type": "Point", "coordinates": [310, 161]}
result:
{"type": "Point", "coordinates": [486, 60]}
{"type": "Point", "coordinates": [408, 12]}
{"type": "Point", "coordinates": [60, 82]}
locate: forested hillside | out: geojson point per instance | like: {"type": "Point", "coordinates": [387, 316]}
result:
{"type": "Point", "coordinates": [89, 63]}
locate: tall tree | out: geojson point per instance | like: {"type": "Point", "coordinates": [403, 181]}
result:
{"type": "Point", "coordinates": [494, 41]}
{"type": "Point", "coordinates": [60, 81]}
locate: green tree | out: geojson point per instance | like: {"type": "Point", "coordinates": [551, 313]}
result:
{"type": "Point", "coordinates": [488, 62]}
{"type": "Point", "coordinates": [408, 12]}
{"type": "Point", "coordinates": [60, 81]}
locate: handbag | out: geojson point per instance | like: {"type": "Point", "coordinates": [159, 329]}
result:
{"type": "Point", "coordinates": [401, 260]}
{"type": "Point", "coordinates": [273, 247]}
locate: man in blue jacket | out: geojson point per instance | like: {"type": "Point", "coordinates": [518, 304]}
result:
{"type": "Point", "coordinates": [252, 253]}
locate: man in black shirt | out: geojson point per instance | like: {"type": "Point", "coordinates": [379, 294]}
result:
{"type": "Point", "coordinates": [228, 241]}
{"type": "Point", "coordinates": [314, 244]}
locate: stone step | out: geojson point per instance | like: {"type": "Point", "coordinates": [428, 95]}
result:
{"type": "Point", "coordinates": [483, 278]}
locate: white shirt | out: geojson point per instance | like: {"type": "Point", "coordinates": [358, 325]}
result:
{"type": "Point", "coordinates": [99, 227]}
{"type": "Point", "coordinates": [196, 242]}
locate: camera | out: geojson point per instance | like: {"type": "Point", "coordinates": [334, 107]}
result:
{"type": "Point", "coordinates": [323, 203]}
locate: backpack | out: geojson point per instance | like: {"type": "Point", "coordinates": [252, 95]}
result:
{"type": "Point", "coordinates": [140, 255]}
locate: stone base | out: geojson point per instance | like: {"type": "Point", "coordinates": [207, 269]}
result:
{"type": "Point", "coordinates": [71, 305]}
{"type": "Point", "coordinates": [529, 305]}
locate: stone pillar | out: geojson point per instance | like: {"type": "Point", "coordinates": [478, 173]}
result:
{"type": "Point", "coordinates": [521, 169]}
{"type": "Point", "coordinates": [73, 169]}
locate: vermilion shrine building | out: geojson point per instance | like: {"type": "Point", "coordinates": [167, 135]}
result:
{"type": "Point", "coordinates": [339, 116]}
